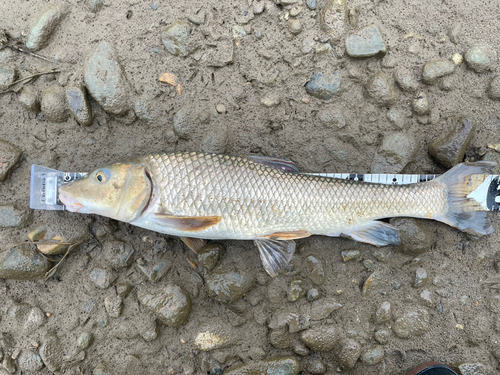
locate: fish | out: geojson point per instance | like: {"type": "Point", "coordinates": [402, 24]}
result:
{"type": "Point", "coordinates": [201, 196]}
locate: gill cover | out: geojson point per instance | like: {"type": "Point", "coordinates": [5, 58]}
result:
{"type": "Point", "coordinates": [120, 191]}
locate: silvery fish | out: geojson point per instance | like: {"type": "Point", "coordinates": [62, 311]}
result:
{"type": "Point", "coordinates": [207, 196]}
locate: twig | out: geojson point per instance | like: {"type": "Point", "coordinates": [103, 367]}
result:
{"type": "Point", "coordinates": [27, 79]}
{"type": "Point", "coordinates": [53, 270]}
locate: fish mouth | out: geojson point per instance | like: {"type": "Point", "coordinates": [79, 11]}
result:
{"type": "Point", "coordinates": [70, 203]}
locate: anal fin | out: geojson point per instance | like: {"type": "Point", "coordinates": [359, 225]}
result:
{"type": "Point", "coordinates": [275, 254]}
{"type": "Point", "coordinates": [195, 244]}
{"type": "Point", "coordinates": [186, 223]}
{"type": "Point", "coordinates": [376, 233]}
{"type": "Point", "coordinates": [287, 235]}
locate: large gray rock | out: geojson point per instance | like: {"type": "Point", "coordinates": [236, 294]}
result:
{"type": "Point", "coordinates": [365, 43]}
{"type": "Point", "coordinates": [417, 236]}
{"type": "Point", "coordinates": [10, 156]}
{"type": "Point", "coordinates": [394, 154]}
{"type": "Point", "coordinates": [413, 322]}
{"type": "Point", "coordinates": [44, 26]}
{"type": "Point", "coordinates": [106, 80]}
{"type": "Point", "coordinates": [23, 262]}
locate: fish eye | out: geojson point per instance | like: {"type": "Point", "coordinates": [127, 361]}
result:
{"type": "Point", "coordinates": [101, 176]}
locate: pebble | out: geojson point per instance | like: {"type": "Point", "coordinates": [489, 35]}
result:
{"type": "Point", "coordinates": [321, 338]}
{"type": "Point", "coordinates": [84, 340]}
{"type": "Point", "coordinates": [414, 322]}
{"type": "Point", "coordinates": [382, 336]}
{"type": "Point", "coordinates": [394, 154]}
{"type": "Point", "coordinates": [311, 4]}
{"type": "Point", "coordinates": [296, 291]}
{"type": "Point", "coordinates": [420, 104]}
{"type": "Point", "coordinates": [270, 100]}
{"type": "Point", "coordinates": [171, 304]}
{"type": "Point", "coordinates": [102, 278]}
{"type": "Point", "coordinates": [213, 334]}
{"type": "Point", "coordinates": [10, 157]}
{"type": "Point", "coordinates": [350, 255]}
{"type": "Point", "coordinates": [51, 352]}
{"type": "Point", "coordinates": [258, 6]}
{"type": "Point", "coordinates": [154, 272]}
{"type": "Point", "coordinates": [185, 122]}
{"type": "Point", "coordinates": [210, 255]}
{"type": "Point", "coordinates": [321, 309]}
{"type": "Point", "coordinates": [332, 118]}
{"type": "Point", "coordinates": [493, 156]}
{"type": "Point", "coordinates": [420, 278]}
{"type": "Point", "coordinates": [176, 36]}
{"type": "Point", "coordinates": [9, 365]}
{"type": "Point", "coordinates": [323, 49]}
{"type": "Point", "coordinates": [450, 150]}
{"type": "Point", "coordinates": [435, 69]}
{"type": "Point", "coordinates": [315, 270]}
{"type": "Point", "coordinates": [396, 118]}
{"type": "Point", "coordinates": [323, 86]}
{"type": "Point", "coordinates": [283, 365]}
{"type": "Point", "coordinates": [494, 88]}
{"type": "Point", "coordinates": [334, 18]}
{"type": "Point", "coordinates": [373, 355]}
{"type": "Point", "coordinates": [106, 81]}
{"type": "Point", "coordinates": [312, 294]}
{"type": "Point", "coordinates": [23, 262]}
{"type": "Point", "coordinates": [348, 352]}
{"type": "Point", "coordinates": [8, 75]}
{"type": "Point", "coordinates": [426, 298]}
{"type": "Point", "coordinates": [481, 58]}
{"type": "Point", "coordinates": [366, 42]}
{"type": "Point", "coordinates": [220, 108]}
{"type": "Point", "coordinates": [280, 338]}
{"type": "Point", "coordinates": [53, 104]}
{"type": "Point", "coordinates": [474, 369]}
{"type": "Point", "coordinates": [294, 26]}
{"type": "Point", "coordinates": [381, 90]}
{"type": "Point", "coordinates": [300, 349]}
{"type": "Point", "coordinates": [113, 306]}
{"type": "Point", "coordinates": [314, 365]}
{"type": "Point", "coordinates": [405, 79]}
{"type": "Point", "coordinates": [28, 98]}
{"type": "Point", "coordinates": [457, 59]}
{"type": "Point", "coordinates": [30, 361]}
{"type": "Point", "coordinates": [117, 254]}
{"type": "Point", "coordinates": [101, 369]}
{"type": "Point", "coordinates": [295, 11]}
{"type": "Point", "coordinates": [417, 236]}
{"type": "Point", "coordinates": [44, 26]}
{"type": "Point", "coordinates": [79, 104]}
{"type": "Point", "coordinates": [228, 283]}
{"type": "Point", "coordinates": [95, 5]}
{"type": "Point", "coordinates": [383, 313]}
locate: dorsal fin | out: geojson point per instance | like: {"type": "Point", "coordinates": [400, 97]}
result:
{"type": "Point", "coordinates": [281, 164]}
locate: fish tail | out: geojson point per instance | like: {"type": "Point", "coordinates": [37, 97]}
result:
{"type": "Point", "coordinates": [465, 213]}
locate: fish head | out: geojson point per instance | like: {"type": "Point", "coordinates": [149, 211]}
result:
{"type": "Point", "coordinates": [120, 191]}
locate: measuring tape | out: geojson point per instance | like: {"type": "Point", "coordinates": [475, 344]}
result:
{"type": "Point", "coordinates": [45, 184]}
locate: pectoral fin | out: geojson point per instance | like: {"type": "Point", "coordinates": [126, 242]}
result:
{"type": "Point", "coordinates": [187, 223]}
{"type": "Point", "coordinates": [195, 244]}
{"type": "Point", "coordinates": [376, 233]}
{"type": "Point", "coordinates": [281, 164]}
{"type": "Point", "coordinates": [275, 254]}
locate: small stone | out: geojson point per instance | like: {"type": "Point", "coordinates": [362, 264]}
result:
{"type": "Point", "coordinates": [79, 104]}
{"type": "Point", "coordinates": [154, 272]}
{"type": "Point", "coordinates": [315, 270]}
{"type": "Point", "coordinates": [280, 338]}
{"type": "Point", "coordinates": [101, 369]}
{"type": "Point", "coordinates": [481, 58]}
{"type": "Point", "coordinates": [44, 26]}
{"type": "Point", "coordinates": [53, 104]}
{"type": "Point", "coordinates": [9, 365]}
{"type": "Point", "coordinates": [350, 255]}
{"type": "Point", "coordinates": [420, 278]}
{"type": "Point", "coordinates": [334, 18]}
{"type": "Point", "coordinates": [285, 365]}
{"type": "Point", "coordinates": [396, 118]}
{"type": "Point", "coordinates": [450, 150]}
{"type": "Point", "coordinates": [95, 5]}
{"type": "Point", "coordinates": [394, 154]}
{"type": "Point", "coordinates": [102, 278]}
{"type": "Point", "coordinates": [382, 336]}
{"type": "Point", "coordinates": [321, 338]}
{"type": "Point", "coordinates": [228, 284]}
{"type": "Point", "coordinates": [457, 59]}
{"type": "Point", "coordinates": [436, 69]}
{"type": "Point", "coordinates": [383, 313]}
{"type": "Point", "coordinates": [185, 122]}
{"type": "Point", "coordinates": [29, 99]}
{"type": "Point", "coordinates": [368, 264]}
{"type": "Point", "coordinates": [106, 81]}
{"type": "Point", "coordinates": [38, 233]}
{"type": "Point", "coordinates": [10, 157]}
{"type": "Point", "coordinates": [426, 298]}
{"type": "Point", "coordinates": [373, 355]}
{"type": "Point", "coordinates": [59, 246]}
{"type": "Point", "coordinates": [258, 6]}
{"type": "Point", "coordinates": [348, 352]}
{"type": "Point", "coordinates": [270, 100]}
{"type": "Point", "coordinates": [414, 322]}
{"type": "Point", "coordinates": [494, 88]}
{"type": "Point", "coordinates": [323, 86]}
{"type": "Point", "coordinates": [213, 335]}
{"type": "Point", "coordinates": [323, 49]}
{"type": "Point", "coordinates": [313, 294]}
{"type": "Point", "coordinates": [294, 26]}
{"type": "Point", "coordinates": [30, 361]}
{"type": "Point", "coordinates": [311, 4]}
{"type": "Point", "coordinates": [176, 36]}
{"type": "Point", "coordinates": [314, 365]}
{"type": "Point", "coordinates": [420, 104]}
{"type": "Point", "coordinates": [493, 156]}
{"type": "Point", "coordinates": [123, 289]}
{"type": "Point", "coordinates": [381, 90]}
{"type": "Point", "coordinates": [113, 306]}
{"type": "Point", "coordinates": [51, 352]}
{"type": "Point", "coordinates": [300, 349]}
{"type": "Point", "coordinates": [332, 118]}
{"type": "Point", "coordinates": [85, 340]}
{"type": "Point", "coordinates": [453, 33]}
{"type": "Point", "coordinates": [417, 236]}
{"type": "Point", "coordinates": [296, 291]}
{"type": "Point", "coordinates": [171, 304]}
{"type": "Point", "coordinates": [382, 254]}
{"type": "Point", "coordinates": [366, 42]}
{"type": "Point", "coordinates": [405, 79]}
{"type": "Point", "coordinates": [220, 108]}
{"type": "Point", "coordinates": [321, 309]}
{"type": "Point", "coordinates": [34, 319]}
{"type": "Point", "coordinates": [23, 262]}
{"type": "Point", "coordinates": [373, 283]}
{"type": "Point", "coordinates": [117, 254]}
{"type": "Point", "coordinates": [8, 75]}
{"type": "Point", "coordinates": [210, 255]}
{"type": "Point", "coordinates": [295, 11]}
{"type": "Point", "coordinates": [474, 369]}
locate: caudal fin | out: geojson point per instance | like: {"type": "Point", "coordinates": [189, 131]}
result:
{"type": "Point", "coordinates": [465, 213]}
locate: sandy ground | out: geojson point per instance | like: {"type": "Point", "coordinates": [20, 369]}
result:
{"type": "Point", "coordinates": [461, 320]}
